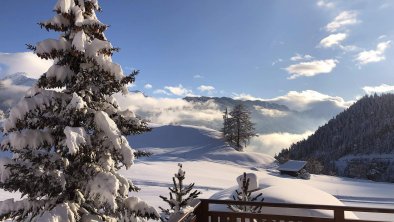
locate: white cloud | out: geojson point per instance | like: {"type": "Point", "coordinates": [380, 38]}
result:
{"type": "Point", "coordinates": [245, 96]}
{"type": "Point", "coordinates": [26, 62]}
{"type": "Point", "coordinates": [311, 68]}
{"type": "Point", "coordinates": [198, 76]}
{"type": "Point", "coordinates": [344, 19]}
{"type": "Point", "coordinates": [376, 55]}
{"type": "Point", "coordinates": [179, 90]}
{"type": "Point", "coordinates": [325, 4]}
{"type": "Point", "coordinates": [161, 91]}
{"type": "Point", "coordinates": [172, 110]}
{"type": "Point", "coordinates": [315, 103]}
{"type": "Point", "coordinates": [205, 88]}
{"type": "Point", "coordinates": [384, 88]}
{"type": "Point", "coordinates": [10, 94]}
{"type": "Point", "coordinates": [273, 143]}
{"type": "Point", "coordinates": [382, 37]}
{"type": "Point", "coordinates": [333, 39]}
{"type": "Point", "coordinates": [148, 86]}
{"type": "Point", "coordinates": [308, 99]}
{"type": "Point", "coordinates": [274, 113]}
{"type": "Point", "coordinates": [299, 57]}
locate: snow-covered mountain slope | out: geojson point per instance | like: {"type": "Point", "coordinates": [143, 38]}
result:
{"type": "Point", "coordinates": [191, 143]}
{"type": "Point", "coordinates": [213, 167]}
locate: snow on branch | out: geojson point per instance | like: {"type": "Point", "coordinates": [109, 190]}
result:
{"type": "Point", "coordinates": [43, 98]}
{"type": "Point", "coordinates": [119, 142]}
{"type": "Point", "coordinates": [75, 137]}
{"type": "Point", "coordinates": [64, 6]}
{"type": "Point", "coordinates": [60, 73]}
{"type": "Point", "coordinates": [4, 171]}
{"type": "Point", "coordinates": [103, 188]}
{"type": "Point", "coordinates": [48, 48]}
{"type": "Point", "coordinates": [27, 138]}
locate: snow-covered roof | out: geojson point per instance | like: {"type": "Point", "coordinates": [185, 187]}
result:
{"type": "Point", "coordinates": [292, 165]}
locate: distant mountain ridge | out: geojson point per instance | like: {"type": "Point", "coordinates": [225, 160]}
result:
{"type": "Point", "coordinates": [359, 142]}
{"type": "Point", "coordinates": [229, 102]}
{"type": "Point", "coordinates": [20, 79]}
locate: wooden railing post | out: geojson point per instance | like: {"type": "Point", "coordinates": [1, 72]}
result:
{"type": "Point", "coordinates": [202, 211]}
{"type": "Point", "coordinates": [339, 215]}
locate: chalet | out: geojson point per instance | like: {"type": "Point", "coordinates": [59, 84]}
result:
{"type": "Point", "coordinates": [292, 167]}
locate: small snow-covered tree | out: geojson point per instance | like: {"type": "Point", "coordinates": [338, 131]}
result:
{"type": "Point", "coordinates": [180, 195]}
{"type": "Point", "coordinates": [247, 187]}
{"type": "Point", "coordinates": [69, 144]}
{"type": "Point", "coordinates": [238, 127]}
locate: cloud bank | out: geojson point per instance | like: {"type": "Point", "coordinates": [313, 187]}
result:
{"type": "Point", "coordinates": [344, 19]}
{"type": "Point", "coordinates": [384, 88]}
{"type": "Point", "coordinates": [26, 62]}
{"type": "Point", "coordinates": [273, 143]}
{"type": "Point", "coordinates": [376, 55]}
{"type": "Point", "coordinates": [312, 68]}
{"type": "Point", "coordinates": [205, 88]}
{"type": "Point", "coordinates": [333, 39]}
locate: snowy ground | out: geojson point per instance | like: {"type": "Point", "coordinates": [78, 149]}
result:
{"type": "Point", "coordinates": [213, 167]}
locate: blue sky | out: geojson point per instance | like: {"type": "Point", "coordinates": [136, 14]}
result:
{"type": "Point", "coordinates": [253, 48]}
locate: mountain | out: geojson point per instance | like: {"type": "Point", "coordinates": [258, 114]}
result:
{"type": "Point", "coordinates": [20, 79]}
{"type": "Point", "coordinates": [12, 88]}
{"type": "Point", "coordinates": [359, 142]}
{"type": "Point", "coordinates": [224, 102]}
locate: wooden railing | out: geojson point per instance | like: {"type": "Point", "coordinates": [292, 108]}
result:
{"type": "Point", "coordinates": [205, 213]}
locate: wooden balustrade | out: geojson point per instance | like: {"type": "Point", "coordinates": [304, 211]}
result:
{"type": "Point", "coordinates": [204, 212]}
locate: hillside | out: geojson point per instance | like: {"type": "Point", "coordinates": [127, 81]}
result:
{"type": "Point", "coordinates": [356, 143]}
{"type": "Point", "coordinates": [213, 167]}
{"type": "Point", "coordinates": [190, 143]}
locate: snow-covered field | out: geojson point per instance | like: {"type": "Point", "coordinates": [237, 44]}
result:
{"type": "Point", "coordinates": [213, 167]}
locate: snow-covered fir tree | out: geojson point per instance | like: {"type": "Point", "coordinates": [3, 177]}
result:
{"type": "Point", "coordinates": [68, 144]}
{"type": "Point", "coordinates": [247, 188]}
{"type": "Point", "coordinates": [180, 195]}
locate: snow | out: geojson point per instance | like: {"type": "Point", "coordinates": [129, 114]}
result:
{"type": "Point", "coordinates": [253, 185]}
{"type": "Point", "coordinates": [291, 192]}
{"type": "Point", "coordinates": [60, 73]}
{"type": "Point", "coordinates": [78, 13]}
{"type": "Point", "coordinates": [292, 165]}
{"type": "Point", "coordinates": [4, 172]}
{"type": "Point", "coordinates": [75, 137]}
{"type": "Point", "coordinates": [65, 212]}
{"type": "Point", "coordinates": [95, 46]}
{"type": "Point", "coordinates": [79, 41]}
{"type": "Point", "coordinates": [94, 22]}
{"type": "Point", "coordinates": [103, 188]}
{"type": "Point", "coordinates": [49, 45]}
{"type": "Point", "coordinates": [198, 149]}
{"type": "Point", "coordinates": [43, 99]}
{"type": "Point", "coordinates": [119, 142]}
{"type": "Point", "coordinates": [9, 205]}
{"type": "Point", "coordinates": [136, 204]}
{"type": "Point", "coordinates": [64, 6]}
{"type": "Point", "coordinates": [57, 20]}
{"type": "Point", "coordinates": [76, 103]}
{"type": "Point", "coordinates": [33, 139]}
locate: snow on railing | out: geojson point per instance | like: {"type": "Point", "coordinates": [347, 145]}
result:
{"type": "Point", "coordinates": [205, 211]}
